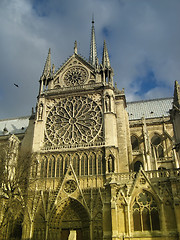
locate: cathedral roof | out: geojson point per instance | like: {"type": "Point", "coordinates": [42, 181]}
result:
{"type": "Point", "coordinates": [149, 108]}
{"type": "Point", "coordinates": [13, 126]}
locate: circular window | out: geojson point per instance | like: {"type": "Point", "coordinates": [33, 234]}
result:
{"type": "Point", "coordinates": [74, 120]}
{"type": "Point", "coordinates": [75, 76]}
{"type": "Point", "coordinates": [70, 186]}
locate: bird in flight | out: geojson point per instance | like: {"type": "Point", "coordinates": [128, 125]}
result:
{"type": "Point", "coordinates": [16, 85]}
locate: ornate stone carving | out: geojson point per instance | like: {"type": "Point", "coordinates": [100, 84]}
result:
{"type": "Point", "coordinates": [75, 76]}
{"type": "Point", "coordinates": [74, 120]}
{"type": "Point", "coordinates": [70, 186]}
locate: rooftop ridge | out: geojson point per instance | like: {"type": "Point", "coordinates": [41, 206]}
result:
{"type": "Point", "coordinates": [150, 100]}
{"type": "Point", "coordinates": [15, 118]}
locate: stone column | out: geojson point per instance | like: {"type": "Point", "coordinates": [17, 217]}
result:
{"type": "Point", "coordinates": [107, 224]}
{"type": "Point", "coordinates": [162, 219]}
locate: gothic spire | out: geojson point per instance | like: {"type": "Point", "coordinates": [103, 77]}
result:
{"type": "Point", "coordinates": [93, 52]}
{"type": "Point", "coordinates": [47, 66]}
{"type": "Point", "coordinates": [105, 58]}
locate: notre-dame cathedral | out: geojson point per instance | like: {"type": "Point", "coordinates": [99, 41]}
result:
{"type": "Point", "coordinates": [87, 165]}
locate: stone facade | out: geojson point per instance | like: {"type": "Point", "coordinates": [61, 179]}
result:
{"type": "Point", "coordinates": [95, 171]}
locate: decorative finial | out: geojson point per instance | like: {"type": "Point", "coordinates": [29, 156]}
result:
{"type": "Point", "coordinates": [75, 47]}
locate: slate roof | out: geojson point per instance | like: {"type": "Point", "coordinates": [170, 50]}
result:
{"type": "Point", "coordinates": [13, 126]}
{"type": "Point", "coordinates": [149, 108]}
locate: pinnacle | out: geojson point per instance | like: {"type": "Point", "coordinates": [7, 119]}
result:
{"type": "Point", "coordinates": [47, 66]}
{"type": "Point", "coordinates": [105, 58]}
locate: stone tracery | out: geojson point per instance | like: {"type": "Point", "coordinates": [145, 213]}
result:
{"type": "Point", "coordinates": [55, 165]}
{"type": "Point", "coordinates": [75, 76]}
{"type": "Point", "coordinates": [74, 120]}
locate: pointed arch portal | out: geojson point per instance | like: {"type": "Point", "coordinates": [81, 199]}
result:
{"type": "Point", "coordinates": [69, 220]}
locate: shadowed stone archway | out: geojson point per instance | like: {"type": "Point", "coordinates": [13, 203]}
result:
{"type": "Point", "coordinates": [69, 216]}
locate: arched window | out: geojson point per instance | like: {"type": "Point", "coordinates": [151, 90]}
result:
{"type": "Point", "coordinates": [100, 163]}
{"type": "Point", "coordinates": [145, 213]}
{"type": "Point", "coordinates": [53, 166]}
{"type": "Point", "coordinates": [50, 167]}
{"type": "Point", "coordinates": [66, 163]}
{"type": "Point", "coordinates": [137, 166]}
{"type": "Point", "coordinates": [84, 165]}
{"type": "Point", "coordinates": [59, 166]}
{"type": "Point", "coordinates": [45, 167]}
{"type": "Point", "coordinates": [134, 143]}
{"type": "Point", "coordinates": [157, 148]}
{"type": "Point", "coordinates": [92, 164]}
{"type": "Point", "coordinates": [75, 162]}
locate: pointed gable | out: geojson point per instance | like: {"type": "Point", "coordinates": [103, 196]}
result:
{"type": "Point", "coordinates": [74, 72]}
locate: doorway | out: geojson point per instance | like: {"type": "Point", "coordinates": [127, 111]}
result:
{"type": "Point", "coordinates": [67, 234]}
{"type": "Point", "coordinates": [69, 221]}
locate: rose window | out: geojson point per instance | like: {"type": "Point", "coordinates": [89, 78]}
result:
{"type": "Point", "coordinates": [70, 186]}
{"type": "Point", "coordinates": [75, 76]}
{"type": "Point", "coordinates": [74, 120]}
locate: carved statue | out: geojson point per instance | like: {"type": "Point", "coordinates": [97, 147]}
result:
{"type": "Point", "coordinates": [40, 113]}
{"type": "Point", "coordinates": [107, 103]}
{"type": "Point", "coordinates": [110, 164]}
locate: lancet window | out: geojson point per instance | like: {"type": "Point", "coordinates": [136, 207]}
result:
{"type": "Point", "coordinates": [161, 146]}
{"type": "Point", "coordinates": [134, 143]}
{"type": "Point", "coordinates": [83, 164]}
{"type": "Point", "coordinates": [145, 213]}
{"type": "Point", "coordinates": [157, 147]}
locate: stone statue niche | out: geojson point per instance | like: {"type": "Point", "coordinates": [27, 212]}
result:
{"type": "Point", "coordinates": [40, 112]}
{"type": "Point", "coordinates": [110, 164]}
{"type": "Point", "coordinates": [107, 104]}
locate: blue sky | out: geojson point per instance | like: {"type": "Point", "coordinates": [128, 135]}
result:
{"type": "Point", "coordinates": [142, 36]}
